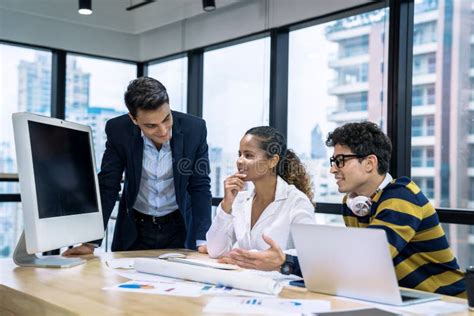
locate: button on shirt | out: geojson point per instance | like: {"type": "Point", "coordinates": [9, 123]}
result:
{"type": "Point", "coordinates": [156, 196]}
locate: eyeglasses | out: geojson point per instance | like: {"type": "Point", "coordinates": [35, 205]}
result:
{"type": "Point", "coordinates": [339, 160]}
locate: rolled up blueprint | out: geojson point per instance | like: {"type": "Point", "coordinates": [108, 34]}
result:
{"type": "Point", "coordinates": [235, 279]}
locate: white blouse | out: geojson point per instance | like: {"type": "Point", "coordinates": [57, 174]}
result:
{"type": "Point", "coordinates": [233, 230]}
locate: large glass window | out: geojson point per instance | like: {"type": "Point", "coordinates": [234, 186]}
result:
{"type": "Point", "coordinates": [236, 98]}
{"type": "Point", "coordinates": [351, 51]}
{"type": "Point", "coordinates": [173, 74]}
{"type": "Point", "coordinates": [442, 47]}
{"type": "Point", "coordinates": [25, 86]}
{"type": "Point", "coordinates": [94, 94]}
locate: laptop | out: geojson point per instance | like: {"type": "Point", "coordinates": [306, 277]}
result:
{"type": "Point", "coordinates": [351, 262]}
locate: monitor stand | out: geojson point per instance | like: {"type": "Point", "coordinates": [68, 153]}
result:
{"type": "Point", "coordinates": [23, 259]}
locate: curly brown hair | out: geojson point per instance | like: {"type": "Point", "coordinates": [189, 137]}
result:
{"type": "Point", "coordinates": [289, 167]}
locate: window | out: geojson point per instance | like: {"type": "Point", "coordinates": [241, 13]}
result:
{"type": "Point", "coordinates": [236, 98]}
{"type": "Point", "coordinates": [25, 85]}
{"type": "Point", "coordinates": [471, 156]}
{"type": "Point", "coordinates": [416, 157]}
{"type": "Point", "coordinates": [471, 189]}
{"type": "Point", "coordinates": [173, 74]}
{"type": "Point", "coordinates": [354, 46]}
{"type": "Point", "coordinates": [429, 189]}
{"type": "Point", "coordinates": [423, 95]}
{"type": "Point", "coordinates": [424, 64]}
{"type": "Point", "coordinates": [430, 126]}
{"type": "Point", "coordinates": [352, 74]}
{"type": "Point", "coordinates": [355, 102]}
{"type": "Point", "coordinates": [417, 127]}
{"type": "Point", "coordinates": [316, 106]}
{"type": "Point", "coordinates": [429, 157]}
{"type": "Point", "coordinates": [424, 33]}
{"type": "Point", "coordinates": [94, 94]}
{"type": "Point", "coordinates": [471, 94]}
{"type": "Point", "coordinates": [471, 122]}
{"type": "Point", "coordinates": [444, 40]}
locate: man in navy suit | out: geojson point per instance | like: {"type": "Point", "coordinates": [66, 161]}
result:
{"type": "Point", "coordinates": [166, 199]}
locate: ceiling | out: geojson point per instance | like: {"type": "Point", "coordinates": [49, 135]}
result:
{"type": "Point", "coordinates": [112, 14]}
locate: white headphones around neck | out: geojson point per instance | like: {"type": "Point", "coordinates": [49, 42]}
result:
{"type": "Point", "coordinates": [360, 205]}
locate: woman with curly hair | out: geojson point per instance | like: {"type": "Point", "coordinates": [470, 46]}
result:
{"type": "Point", "coordinates": [281, 196]}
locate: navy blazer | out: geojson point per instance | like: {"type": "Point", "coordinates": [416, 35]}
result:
{"type": "Point", "coordinates": [124, 152]}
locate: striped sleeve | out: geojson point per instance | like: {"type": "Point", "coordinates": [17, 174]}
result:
{"type": "Point", "coordinates": [400, 219]}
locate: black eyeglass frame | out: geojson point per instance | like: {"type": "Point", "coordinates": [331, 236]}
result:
{"type": "Point", "coordinates": [340, 160]}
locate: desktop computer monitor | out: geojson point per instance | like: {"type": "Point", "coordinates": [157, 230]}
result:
{"type": "Point", "coordinates": [59, 188]}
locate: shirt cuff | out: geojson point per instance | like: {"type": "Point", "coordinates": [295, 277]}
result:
{"type": "Point", "coordinates": [200, 243]}
{"type": "Point", "coordinates": [223, 214]}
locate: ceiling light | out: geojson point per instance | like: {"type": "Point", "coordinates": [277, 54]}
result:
{"type": "Point", "coordinates": [209, 5]}
{"type": "Point", "coordinates": [85, 7]}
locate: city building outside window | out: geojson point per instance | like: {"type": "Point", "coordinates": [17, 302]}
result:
{"type": "Point", "coordinates": [442, 70]}
{"type": "Point", "coordinates": [25, 86]}
{"type": "Point", "coordinates": [235, 98]}
{"type": "Point", "coordinates": [351, 51]}
{"type": "Point", "coordinates": [94, 94]}
{"type": "Point", "coordinates": [173, 74]}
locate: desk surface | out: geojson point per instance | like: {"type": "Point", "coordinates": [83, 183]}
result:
{"type": "Point", "coordinates": [78, 290]}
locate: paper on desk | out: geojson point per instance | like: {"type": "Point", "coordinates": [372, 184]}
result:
{"type": "Point", "coordinates": [161, 288]}
{"type": "Point", "coordinates": [206, 289]}
{"type": "Point", "coordinates": [120, 263]}
{"type": "Point", "coordinates": [274, 306]}
{"type": "Point", "coordinates": [283, 279]}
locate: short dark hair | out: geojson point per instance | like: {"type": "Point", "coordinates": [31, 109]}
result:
{"type": "Point", "coordinates": [145, 93]}
{"type": "Point", "coordinates": [364, 138]}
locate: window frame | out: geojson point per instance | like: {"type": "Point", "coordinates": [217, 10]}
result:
{"type": "Point", "coordinates": [400, 58]}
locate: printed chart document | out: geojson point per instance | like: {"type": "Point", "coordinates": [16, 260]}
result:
{"type": "Point", "coordinates": [157, 280]}
{"type": "Point", "coordinates": [273, 306]}
{"type": "Point", "coordinates": [175, 288]}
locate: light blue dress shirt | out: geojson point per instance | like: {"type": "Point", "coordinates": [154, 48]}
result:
{"type": "Point", "coordinates": [156, 195]}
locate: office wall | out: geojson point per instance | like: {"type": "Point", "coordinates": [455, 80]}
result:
{"type": "Point", "coordinates": [232, 21]}
{"type": "Point", "coordinates": [42, 31]}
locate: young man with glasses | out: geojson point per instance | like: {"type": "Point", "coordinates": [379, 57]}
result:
{"type": "Point", "coordinates": [421, 254]}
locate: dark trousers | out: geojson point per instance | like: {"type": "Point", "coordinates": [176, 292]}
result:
{"type": "Point", "coordinates": [163, 232]}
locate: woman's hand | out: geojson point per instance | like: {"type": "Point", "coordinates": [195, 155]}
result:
{"type": "Point", "coordinates": [232, 185]}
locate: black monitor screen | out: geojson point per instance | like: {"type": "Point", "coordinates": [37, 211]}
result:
{"type": "Point", "coordinates": [63, 169]}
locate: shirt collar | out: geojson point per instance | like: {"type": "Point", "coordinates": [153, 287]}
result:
{"type": "Point", "coordinates": [149, 143]}
{"type": "Point", "coordinates": [281, 191]}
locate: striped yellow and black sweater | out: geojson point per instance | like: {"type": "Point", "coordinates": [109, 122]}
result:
{"type": "Point", "coordinates": [419, 248]}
